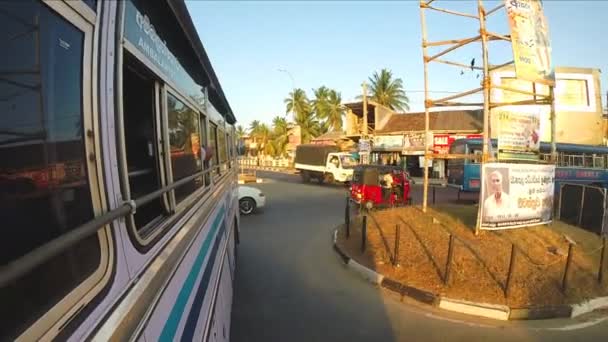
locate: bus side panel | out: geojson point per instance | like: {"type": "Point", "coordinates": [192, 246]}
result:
{"type": "Point", "coordinates": [188, 295]}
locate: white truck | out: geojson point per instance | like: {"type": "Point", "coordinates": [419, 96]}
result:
{"type": "Point", "coordinates": [324, 163]}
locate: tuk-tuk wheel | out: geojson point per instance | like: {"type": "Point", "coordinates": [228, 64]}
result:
{"type": "Point", "coordinates": [369, 205]}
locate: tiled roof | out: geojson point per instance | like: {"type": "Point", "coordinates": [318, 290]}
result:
{"type": "Point", "coordinates": [452, 120]}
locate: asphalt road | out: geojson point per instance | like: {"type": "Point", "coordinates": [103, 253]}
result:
{"type": "Point", "coordinates": [291, 286]}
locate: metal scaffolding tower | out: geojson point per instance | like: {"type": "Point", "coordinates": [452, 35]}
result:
{"type": "Point", "coordinates": [485, 37]}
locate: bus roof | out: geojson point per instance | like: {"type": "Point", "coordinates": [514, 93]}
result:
{"type": "Point", "coordinates": [544, 146]}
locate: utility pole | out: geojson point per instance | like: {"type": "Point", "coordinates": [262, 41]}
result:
{"type": "Point", "coordinates": [364, 134]}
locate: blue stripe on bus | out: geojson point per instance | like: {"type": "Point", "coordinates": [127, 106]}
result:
{"type": "Point", "coordinates": [179, 306]}
{"type": "Point", "coordinates": [199, 297]}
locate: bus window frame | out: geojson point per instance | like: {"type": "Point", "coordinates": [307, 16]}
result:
{"type": "Point", "coordinates": [50, 323]}
{"type": "Point", "coordinates": [195, 195]}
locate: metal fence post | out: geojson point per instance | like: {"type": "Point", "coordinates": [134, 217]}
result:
{"type": "Point", "coordinates": [397, 239]}
{"type": "Point", "coordinates": [568, 261]}
{"type": "Point", "coordinates": [448, 264]}
{"type": "Point", "coordinates": [434, 194]}
{"type": "Point", "coordinates": [559, 199]}
{"type": "Point", "coordinates": [347, 217]}
{"type": "Point", "coordinates": [363, 233]}
{"type": "Point", "coordinates": [600, 273]}
{"type": "Point", "coordinates": [511, 267]}
{"type": "Point", "coordinates": [580, 213]}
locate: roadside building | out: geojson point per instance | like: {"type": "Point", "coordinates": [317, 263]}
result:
{"type": "Point", "coordinates": [401, 139]}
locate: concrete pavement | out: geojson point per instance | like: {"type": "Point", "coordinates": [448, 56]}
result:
{"type": "Point", "coordinates": [291, 286]}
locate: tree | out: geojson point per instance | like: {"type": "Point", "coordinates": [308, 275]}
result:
{"type": "Point", "coordinates": [309, 126]}
{"type": "Point", "coordinates": [240, 132]}
{"type": "Point", "coordinates": [320, 103]}
{"type": "Point", "coordinates": [261, 133]}
{"type": "Point", "coordinates": [335, 111]}
{"type": "Point", "coordinates": [297, 103]}
{"type": "Point", "coordinates": [388, 91]}
{"type": "Point", "coordinates": [279, 136]}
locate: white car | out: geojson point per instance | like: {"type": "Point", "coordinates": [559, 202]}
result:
{"type": "Point", "coordinates": [250, 199]}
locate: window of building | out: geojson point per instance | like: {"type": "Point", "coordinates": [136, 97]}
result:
{"type": "Point", "coordinates": [185, 144]}
{"type": "Point", "coordinates": [44, 187]}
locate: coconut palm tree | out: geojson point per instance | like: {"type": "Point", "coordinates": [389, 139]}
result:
{"type": "Point", "coordinates": [319, 104]}
{"type": "Point", "coordinates": [240, 132]}
{"type": "Point", "coordinates": [335, 111]}
{"type": "Point", "coordinates": [297, 103]}
{"type": "Point", "coordinates": [388, 91]}
{"type": "Point", "coordinates": [261, 133]}
{"type": "Point", "coordinates": [279, 136]}
{"type": "Point", "coordinates": [310, 127]}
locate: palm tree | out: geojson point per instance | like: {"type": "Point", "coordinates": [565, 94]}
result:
{"type": "Point", "coordinates": [261, 133]}
{"type": "Point", "coordinates": [335, 111]}
{"type": "Point", "coordinates": [388, 91]}
{"type": "Point", "coordinates": [319, 104]}
{"type": "Point", "coordinates": [279, 136]}
{"type": "Point", "coordinates": [240, 132]}
{"type": "Point", "coordinates": [309, 126]}
{"type": "Point", "coordinates": [297, 103]}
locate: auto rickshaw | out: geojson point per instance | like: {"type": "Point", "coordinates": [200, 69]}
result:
{"type": "Point", "coordinates": [375, 186]}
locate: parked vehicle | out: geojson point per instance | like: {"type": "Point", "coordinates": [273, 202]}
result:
{"type": "Point", "coordinates": [380, 186]}
{"type": "Point", "coordinates": [324, 163]}
{"type": "Point", "coordinates": [581, 164]}
{"type": "Point", "coordinates": [250, 199]}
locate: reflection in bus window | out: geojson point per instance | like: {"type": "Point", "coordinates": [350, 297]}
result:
{"type": "Point", "coordinates": [213, 146]}
{"type": "Point", "coordinates": [44, 191]}
{"type": "Point", "coordinates": [185, 142]}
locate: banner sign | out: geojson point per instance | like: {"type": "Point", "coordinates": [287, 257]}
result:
{"type": "Point", "coordinates": [365, 145]}
{"type": "Point", "coordinates": [518, 133]}
{"type": "Point", "coordinates": [414, 142]}
{"type": "Point", "coordinates": [516, 195]}
{"type": "Point", "coordinates": [442, 142]}
{"type": "Point", "coordinates": [388, 142]}
{"type": "Point", "coordinates": [530, 41]}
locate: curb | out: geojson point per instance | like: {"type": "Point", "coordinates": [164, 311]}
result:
{"type": "Point", "coordinates": [493, 311]}
{"type": "Point", "coordinates": [499, 312]}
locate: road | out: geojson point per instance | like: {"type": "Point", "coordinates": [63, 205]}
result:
{"type": "Point", "coordinates": [291, 286]}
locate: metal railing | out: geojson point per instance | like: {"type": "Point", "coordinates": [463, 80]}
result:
{"type": "Point", "coordinates": [584, 206]}
{"type": "Point", "coordinates": [26, 263]}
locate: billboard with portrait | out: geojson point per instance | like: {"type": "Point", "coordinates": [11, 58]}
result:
{"type": "Point", "coordinates": [519, 133]}
{"type": "Point", "coordinates": [516, 195]}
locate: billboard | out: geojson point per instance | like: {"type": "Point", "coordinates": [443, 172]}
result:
{"type": "Point", "coordinates": [516, 195]}
{"type": "Point", "coordinates": [530, 41]}
{"type": "Point", "coordinates": [442, 142]}
{"type": "Point", "coordinates": [519, 132]}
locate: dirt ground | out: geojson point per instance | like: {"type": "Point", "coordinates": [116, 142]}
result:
{"type": "Point", "coordinates": [480, 264]}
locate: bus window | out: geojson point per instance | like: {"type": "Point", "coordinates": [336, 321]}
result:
{"type": "Point", "coordinates": [44, 186]}
{"type": "Point", "coordinates": [222, 148]}
{"type": "Point", "coordinates": [185, 144]}
{"type": "Point", "coordinates": [141, 148]}
{"type": "Point", "coordinates": [213, 146]}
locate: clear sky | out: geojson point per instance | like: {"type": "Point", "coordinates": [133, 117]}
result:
{"type": "Point", "coordinates": [340, 43]}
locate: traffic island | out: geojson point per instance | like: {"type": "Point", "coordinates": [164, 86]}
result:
{"type": "Point", "coordinates": [529, 273]}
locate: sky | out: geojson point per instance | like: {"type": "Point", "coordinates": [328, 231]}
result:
{"type": "Point", "coordinates": [340, 44]}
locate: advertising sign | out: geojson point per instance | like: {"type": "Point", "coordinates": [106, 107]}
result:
{"type": "Point", "coordinates": [442, 142]}
{"type": "Point", "coordinates": [365, 145]}
{"type": "Point", "coordinates": [518, 133]}
{"type": "Point", "coordinates": [388, 142]}
{"type": "Point", "coordinates": [413, 142]}
{"type": "Point", "coordinates": [530, 41]}
{"type": "Point", "coordinates": [516, 195]}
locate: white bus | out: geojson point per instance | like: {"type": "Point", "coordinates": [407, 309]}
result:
{"type": "Point", "coordinates": [118, 195]}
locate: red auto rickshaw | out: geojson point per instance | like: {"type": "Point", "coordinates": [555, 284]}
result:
{"type": "Point", "coordinates": [376, 186]}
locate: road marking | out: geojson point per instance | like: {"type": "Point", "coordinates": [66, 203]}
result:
{"type": "Point", "coordinates": [471, 324]}
{"type": "Point", "coordinates": [577, 325]}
